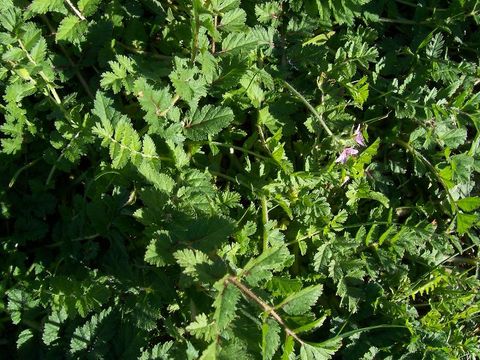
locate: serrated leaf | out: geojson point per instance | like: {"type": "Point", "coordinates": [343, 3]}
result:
{"type": "Point", "coordinates": [9, 17]}
{"type": "Point", "coordinates": [188, 82]}
{"type": "Point", "coordinates": [85, 334]}
{"type": "Point", "coordinates": [158, 251]}
{"type": "Point", "coordinates": [52, 326]}
{"type": "Point", "coordinates": [454, 137]}
{"type": "Point", "coordinates": [71, 29]}
{"type": "Point", "coordinates": [126, 144]}
{"type": "Point", "coordinates": [261, 268]}
{"type": "Point", "coordinates": [208, 121]}
{"type": "Point", "coordinates": [435, 46]}
{"type": "Point", "coordinates": [39, 50]}
{"type": "Point", "coordinates": [159, 351]}
{"type": "Point", "coordinates": [24, 337]}
{"type": "Point", "coordinates": [322, 351]}
{"type": "Point", "coordinates": [233, 20]}
{"type": "Point", "coordinates": [311, 326]}
{"type": "Point", "coordinates": [301, 302]}
{"type": "Point", "coordinates": [88, 7]}
{"type": "Point", "coordinates": [160, 181]}
{"type": "Point", "coordinates": [201, 328]}
{"type": "Point", "coordinates": [13, 54]}
{"type": "Point", "coordinates": [44, 6]}
{"type": "Point", "coordinates": [469, 203]}
{"type": "Point", "coordinates": [465, 222]}
{"type": "Point", "coordinates": [288, 348]}
{"type": "Point", "coordinates": [225, 304]}
{"type": "Point", "coordinates": [188, 259]}
{"type": "Point", "coordinates": [239, 42]}
{"type": "Point", "coordinates": [270, 338]}
{"type": "Point", "coordinates": [210, 353]}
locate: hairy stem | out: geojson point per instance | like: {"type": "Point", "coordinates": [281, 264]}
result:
{"type": "Point", "coordinates": [263, 200]}
{"type": "Point", "coordinates": [75, 10]}
{"type": "Point", "coordinates": [78, 74]}
{"type": "Point", "coordinates": [267, 308]}
{"type": "Point", "coordinates": [50, 87]}
{"type": "Point", "coordinates": [312, 110]}
{"type": "Point", "coordinates": [432, 169]}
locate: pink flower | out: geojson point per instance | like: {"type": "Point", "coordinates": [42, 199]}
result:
{"type": "Point", "coordinates": [346, 153]}
{"type": "Point", "coordinates": [359, 137]}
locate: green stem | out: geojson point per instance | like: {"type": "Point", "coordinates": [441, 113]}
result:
{"type": "Point", "coordinates": [239, 148]}
{"type": "Point", "coordinates": [42, 74]}
{"type": "Point", "coordinates": [312, 110]}
{"type": "Point", "coordinates": [266, 308]}
{"type": "Point", "coordinates": [78, 74]}
{"type": "Point", "coordinates": [263, 200]}
{"type": "Point", "coordinates": [432, 169]}
{"type": "Point", "coordinates": [19, 171]}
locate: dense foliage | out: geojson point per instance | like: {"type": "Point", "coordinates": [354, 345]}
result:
{"type": "Point", "coordinates": [226, 179]}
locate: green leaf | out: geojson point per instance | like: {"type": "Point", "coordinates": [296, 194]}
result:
{"type": "Point", "coordinates": [435, 46]}
{"type": "Point", "coordinates": [320, 39]}
{"type": "Point", "coordinates": [39, 51]}
{"type": "Point", "coordinates": [188, 259]}
{"type": "Point", "coordinates": [119, 77]}
{"type": "Point", "coordinates": [159, 351]}
{"type": "Point", "coordinates": [311, 326]}
{"type": "Point", "coordinates": [71, 29]}
{"type": "Point", "coordinates": [44, 6]}
{"type": "Point", "coordinates": [359, 91]}
{"type": "Point", "coordinates": [210, 353]}
{"type": "Point", "coordinates": [18, 302]}
{"type": "Point", "coordinates": [324, 351]}
{"type": "Point", "coordinates": [52, 326]}
{"type": "Point", "coordinates": [24, 337]}
{"type": "Point", "coordinates": [453, 138]}
{"type": "Point", "coordinates": [208, 121]}
{"type": "Point", "coordinates": [86, 334]}
{"type": "Point", "coordinates": [288, 348]}
{"type": "Point", "coordinates": [202, 328]}
{"type": "Point", "coordinates": [9, 16]}
{"type": "Point", "coordinates": [465, 222]}
{"type": "Point", "coordinates": [125, 145]}
{"type": "Point", "coordinates": [270, 338]}
{"type": "Point", "coordinates": [469, 203]}
{"type": "Point", "coordinates": [462, 167]}
{"type": "Point", "coordinates": [301, 302]}
{"type": "Point", "coordinates": [237, 42]}
{"type": "Point", "coordinates": [158, 251]}
{"type": "Point", "coordinates": [261, 268]}
{"type": "Point", "coordinates": [233, 20]}
{"type": "Point", "coordinates": [222, 6]}
{"type": "Point", "coordinates": [188, 82]}
{"type": "Point", "coordinates": [225, 303]}
{"type": "Point", "coordinates": [88, 7]}
{"type": "Point", "coordinates": [160, 181]}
